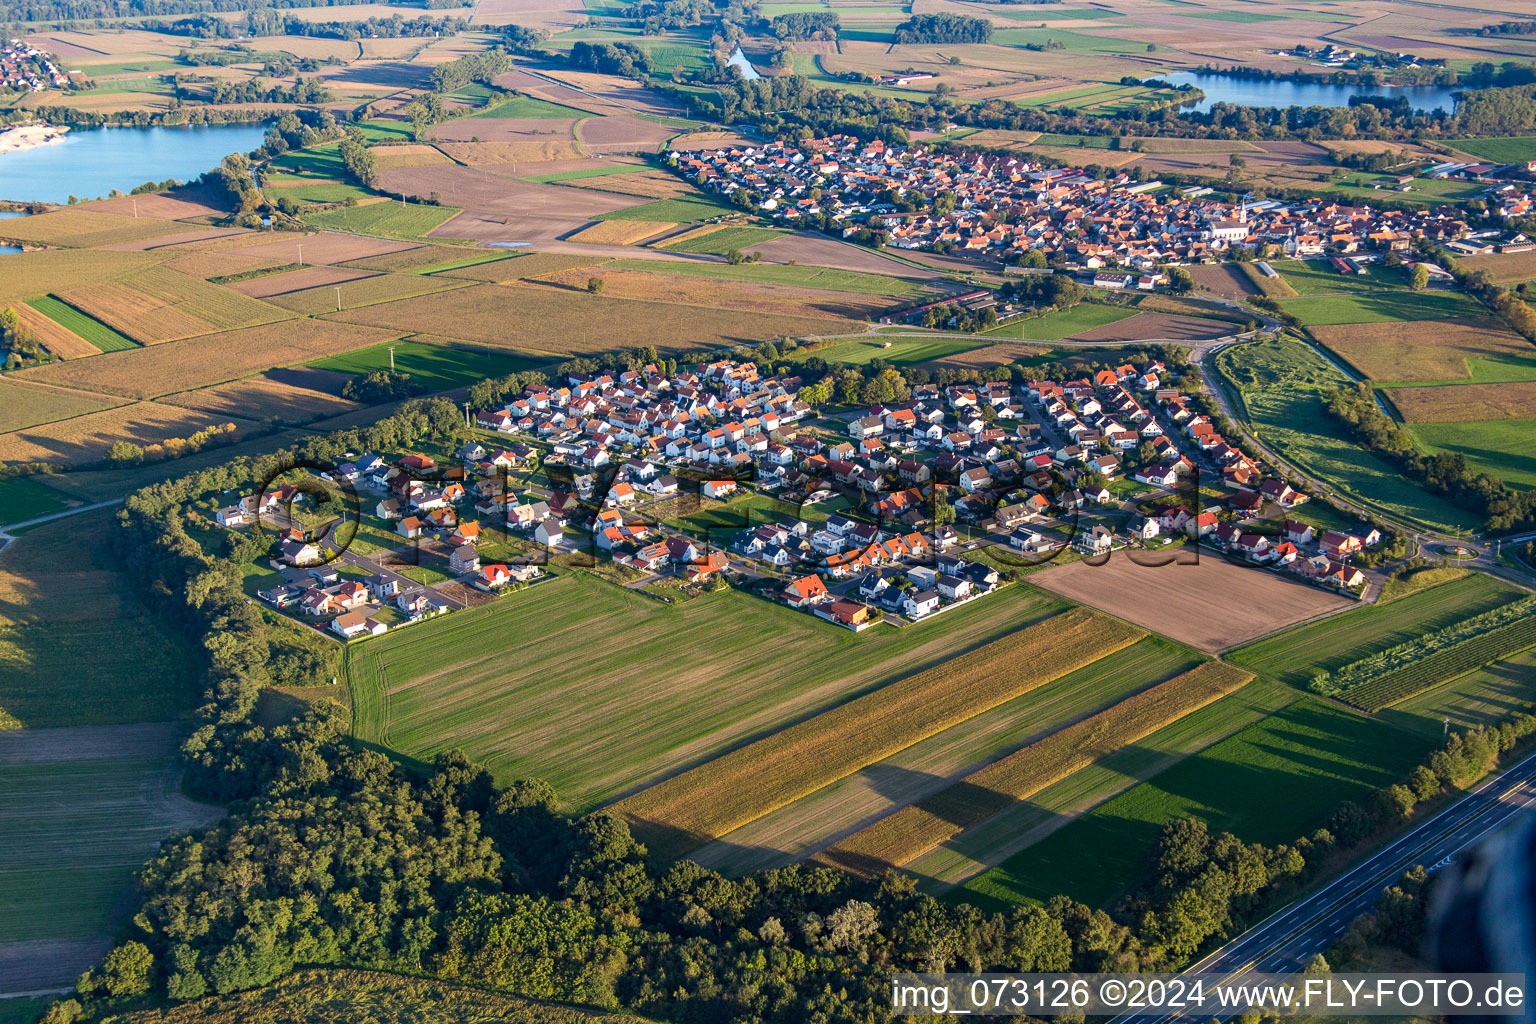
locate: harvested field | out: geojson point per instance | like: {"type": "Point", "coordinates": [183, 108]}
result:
{"type": "Point", "coordinates": [324, 249]}
{"type": "Point", "coordinates": [210, 359]}
{"type": "Point", "coordinates": [1180, 600]}
{"type": "Point", "coordinates": [1462, 403]}
{"type": "Point", "coordinates": [918, 828]}
{"type": "Point", "coordinates": [530, 267]}
{"type": "Point", "coordinates": [408, 156]}
{"type": "Point", "coordinates": [507, 131]}
{"type": "Point", "coordinates": [619, 232]}
{"type": "Point", "coordinates": [1473, 349]}
{"type": "Point", "coordinates": [988, 356]}
{"type": "Point", "coordinates": [694, 291]}
{"type": "Point", "coordinates": [482, 154]}
{"type": "Point", "coordinates": [30, 274]}
{"type": "Point", "coordinates": [363, 291]}
{"type": "Point", "coordinates": [217, 264]}
{"type": "Point", "coordinates": [1225, 280]}
{"type": "Point", "coordinates": [56, 338]}
{"type": "Point", "coordinates": [1158, 326]}
{"type": "Point", "coordinates": [1275, 287]}
{"type": "Point", "coordinates": [185, 203]}
{"type": "Point", "coordinates": [84, 229]}
{"type": "Point", "coordinates": [990, 138]}
{"type": "Point", "coordinates": [647, 184]}
{"type": "Point", "coordinates": [26, 405]}
{"type": "Point", "coordinates": [412, 259]}
{"type": "Point", "coordinates": [498, 207]}
{"type": "Point", "coordinates": [692, 235]}
{"type": "Point", "coordinates": [821, 251]}
{"type": "Point", "coordinates": [262, 398]}
{"type": "Point", "coordinates": [192, 234]}
{"type": "Point", "coordinates": [87, 438]}
{"type": "Point", "coordinates": [689, 810]}
{"type": "Point", "coordinates": [615, 136]}
{"type": "Point", "coordinates": [1504, 267]}
{"type": "Point", "coordinates": [1159, 145]}
{"type": "Point", "coordinates": [296, 281]}
{"type": "Point", "coordinates": [158, 304]}
{"type": "Point", "coordinates": [558, 322]}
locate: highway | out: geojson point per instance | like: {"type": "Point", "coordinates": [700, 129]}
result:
{"type": "Point", "coordinates": [1286, 940]}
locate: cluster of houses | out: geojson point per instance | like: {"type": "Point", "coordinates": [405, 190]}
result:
{"type": "Point", "coordinates": [1004, 206]}
{"type": "Point", "coordinates": [25, 68]}
{"type": "Point", "coordinates": [914, 592]}
{"type": "Point", "coordinates": [1321, 558]}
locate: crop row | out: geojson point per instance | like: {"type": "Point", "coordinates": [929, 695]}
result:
{"type": "Point", "coordinates": [688, 810]}
{"type": "Point", "coordinates": [1394, 659]}
{"type": "Point", "coordinates": [918, 828]}
{"type": "Point", "coordinates": [1388, 689]}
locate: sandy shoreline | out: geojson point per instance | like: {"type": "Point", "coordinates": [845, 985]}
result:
{"type": "Point", "coordinates": [29, 136]}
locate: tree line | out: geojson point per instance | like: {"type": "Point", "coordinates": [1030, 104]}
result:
{"type": "Point", "coordinates": [79, 10]}
{"type": "Point", "coordinates": [953, 29]}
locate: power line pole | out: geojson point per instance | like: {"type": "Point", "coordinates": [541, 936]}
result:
{"type": "Point", "coordinates": [391, 359]}
{"type": "Point", "coordinates": [338, 299]}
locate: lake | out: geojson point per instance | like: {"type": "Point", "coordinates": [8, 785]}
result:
{"type": "Point", "coordinates": [739, 61]}
{"type": "Point", "coordinates": [1286, 92]}
{"type": "Point", "coordinates": [90, 163]}
{"type": "Point", "coordinates": [7, 215]}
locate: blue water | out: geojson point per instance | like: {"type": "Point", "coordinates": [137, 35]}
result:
{"type": "Point", "coordinates": [90, 163]}
{"type": "Point", "coordinates": [1284, 92]}
{"type": "Point", "coordinates": [7, 215]}
{"type": "Point", "coordinates": [740, 62]}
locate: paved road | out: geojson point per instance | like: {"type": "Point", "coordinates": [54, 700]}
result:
{"type": "Point", "coordinates": [5, 531]}
{"type": "Point", "coordinates": [1288, 939]}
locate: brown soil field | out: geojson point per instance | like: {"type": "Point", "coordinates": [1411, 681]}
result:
{"type": "Point", "coordinates": [989, 356]}
{"type": "Point", "coordinates": [1422, 350]}
{"type": "Point", "coordinates": [620, 232]}
{"type": "Point", "coordinates": [194, 234]}
{"type": "Point", "coordinates": [30, 274]}
{"type": "Point", "coordinates": [1505, 267]}
{"type": "Point", "coordinates": [185, 203]}
{"type": "Point", "coordinates": [27, 405]}
{"type": "Point", "coordinates": [1077, 157]}
{"type": "Point", "coordinates": [1211, 605]}
{"type": "Point", "coordinates": [559, 322]}
{"type": "Point", "coordinates": [210, 359]}
{"type": "Point", "coordinates": [159, 304]}
{"type": "Point", "coordinates": [216, 264]}
{"type": "Point", "coordinates": [612, 136]}
{"type": "Point", "coordinates": [648, 184]}
{"type": "Point", "coordinates": [695, 291]}
{"type": "Point", "coordinates": [482, 154]}
{"type": "Point", "coordinates": [1148, 326]}
{"type": "Point", "coordinates": [821, 251]}
{"type": "Point", "coordinates": [616, 89]}
{"type": "Point", "coordinates": [87, 438]}
{"type": "Point", "coordinates": [526, 268]}
{"type": "Point", "coordinates": [59, 340]}
{"type": "Point", "coordinates": [1227, 281]}
{"type": "Point", "coordinates": [1374, 146]}
{"type": "Point", "coordinates": [710, 140]}
{"type": "Point", "coordinates": [992, 138]}
{"type": "Point", "coordinates": [364, 291]}
{"type": "Point", "coordinates": [296, 280]}
{"type": "Point", "coordinates": [1462, 403]}
{"type": "Point", "coordinates": [506, 130]}
{"type": "Point", "coordinates": [262, 398]}
{"type": "Point", "coordinates": [690, 234]}
{"type": "Point", "coordinates": [1159, 145]}
{"type": "Point", "coordinates": [325, 248]}
{"type": "Point", "coordinates": [84, 228]}
{"type": "Point", "coordinates": [408, 156]}
{"type": "Point", "coordinates": [410, 259]}
{"type": "Point", "coordinates": [497, 207]}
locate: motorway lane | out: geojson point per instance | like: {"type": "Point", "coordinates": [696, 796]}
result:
{"type": "Point", "coordinates": [1286, 940]}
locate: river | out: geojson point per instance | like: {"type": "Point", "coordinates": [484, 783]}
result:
{"type": "Point", "coordinates": [1286, 92]}
{"type": "Point", "coordinates": [739, 61]}
{"type": "Point", "coordinates": [90, 163]}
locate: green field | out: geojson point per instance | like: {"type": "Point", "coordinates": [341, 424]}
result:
{"type": "Point", "coordinates": [1074, 42]}
{"type": "Point", "coordinates": [1272, 782]}
{"type": "Point", "coordinates": [671, 211]}
{"type": "Point", "coordinates": [658, 688]}
{"type": "Point", "coordinates": [903, 351]}
{"type": "Point", "coordinates": [1041, 13]}
{"type": "Point", "coordinates": [585, 172]}
{"type": "Point", "coordinates": [1515, 149]}
{"type": "Point", "coordinates": [825, 278]}
{"type": "Point", "coordinates": [411, 221]}
{"type": "Point", "coordinates": [1063, 323]}
{"type": "Point", "coordinates": [1380, 307]}
{"type": "Point", "coordinates": [722, 242]}
{"type": "Point", "coordinates": [323, 161]}
{"type": "Point", "coordinates": [474, 260]}
{"type": "Point", "coordinates": [1282, 384]}
{"type": "Point", "coordinates": [1478, 698]}
{"type": "Point", "coordinates": [83, 324]}
{"type": "Point", "coordinates": [307, 193]}
{"type": "Point", "coordinates": [381, 131]}
{"type": "Point", "coordinates": [528, 106]}
{"type": "Point", "coordinates": [1505, 449]}
{"type": "Point", "coordinates": [719, 523]}
{"type": "Point", "coordinates": [440, 367]}
{"type": "Point", "coordinates": [23, 498]}
{"type": "Point", "coordinates": [1317, 277]}
{"type": "Point", "coordinates": [1292, 657]}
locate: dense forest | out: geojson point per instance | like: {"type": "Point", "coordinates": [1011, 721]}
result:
{"type": "Point", "coordinates": [624, 59]}
{"type": "Point", "coordinates": [944, 28]}
{"type": "Point", "coordinates": [76, 10]}
{"type": "Point", "coordinates": [336, 855]}
{"type": "Point", "coordinates": [268, 22]}
{"type": "Point", "coordinates": [801, 25]}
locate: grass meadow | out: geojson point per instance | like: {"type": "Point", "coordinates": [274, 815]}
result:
{"type": "Point", "coordinates": [440, 367]}
{"type": "Point", "coordinates": [1381, 307]}
{"type": "Point", "coordinates": [82, 324]}
{"type": "Point", "coordinates": [394, 220]}
{"type": "Point", "coordinates": [683, 210]}
{"type": "Point", "coordinates": [1063, 323]}
{"type": "Point", "coordinates": [1505, 449]}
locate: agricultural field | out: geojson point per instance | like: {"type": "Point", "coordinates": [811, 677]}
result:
{"type": "Point", "coordinates": [469, 681]}
{"type": "Point", "coordinates": [86, 438]}
{"type": "Point", "coordinates": [1476, 349]}
{"type": "Point", "coordinates": [1462, 403]}
{"type": "Point", "coordinates": [60, 341]}
{"type": "Point", "coordinates": [81, 324]}
{"type": "Point", "coordinates": [825, 278]}
{"type": "Point", "coordinates": [1063, 323]}
{"type": "Point", "coordinates": [1179, 600]}
{"type": "Point", "coordinates": [1381, 307]}
{"type": "Point", "coordinates": [643, 184]}
{"type": "Point", "coordinates": [388, 218]}
{"type": "Point", "coordinates": [1504, 268]}
{"type": "Point", "coordinates": [83, 809]}
{"type": "Point", "coordinates": [262, 398]}
{"type": "Point", "coordinates": [558, 322]}
{"type": "Point", "coordinates": [918, 828]}
{"type": "Point", "coordinates": [159, 304]}
{"type": "Point", "coordinates": [620, 232]}
{"type": "Point", "coordinates": [1501, 448]}
{"type": "Point", "coordinates": [1478, 698]}
{"type": "Point", "coordinates": [689, 810]}
{"type": "Point", "coordinates": [1513, 149]}
{"type": "Point", "coordinates": [363, 291]}
{"type": "Point", "coordinates": [425, 258]}
{"type": "Point", "coordinates": [1293, 656]}
{"type": "Point", "coordinates": [1274, 781]}
{"type": "Point", "coordinates": [85, 228]}
{"type": "Point", "coordinates": [440, 367]}
{"type": "Point", "coordinates": [24, 405]}
{"type": "Point", "coordinates": [675, 211]}
{"type": "Point", "coordinates": [1281, 385]}
{"type": "Point", "coordinates": [528, 106]}
{"type": "Point", "coordinates": [722, 241]}
{"type": "Point", "coordinates": [893, 348]}
{"type": "Point", "coordinates": [741, 295]}
{"type": "Point", "coordinates": [210, 359]}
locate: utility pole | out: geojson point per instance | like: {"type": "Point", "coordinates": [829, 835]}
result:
{"type": "Point", "coordinates": [135, 209]}
{"type": "Point", "coordinates": [391, 359]}
{"type": "Point", "coordinates": [338, 299]}
{"type": "Point", "coordinates": [466, 414]}
{"type": "Point", "coordinates": [301, 255]}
